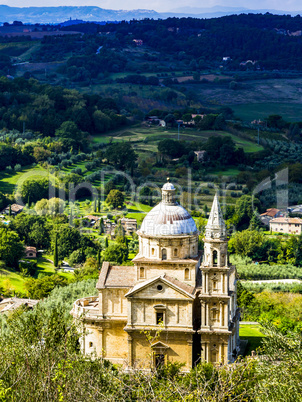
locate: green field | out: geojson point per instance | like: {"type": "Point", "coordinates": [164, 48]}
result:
{"type": "Point", "coordinates": [9, 181]}
{"type": "Point", "coordinates": [15, 281]}
{"type": "Point", "coordinates": [252, 111]}
{"type": "Point", "coordinates": [253, 334]}
{"type": "Point", "coordinates": [145, 138]}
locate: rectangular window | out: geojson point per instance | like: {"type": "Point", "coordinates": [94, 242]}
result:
{"type": "Point", "coordinates": [159, 359]}
{"type": "Point", "coordinates": [159, 318]}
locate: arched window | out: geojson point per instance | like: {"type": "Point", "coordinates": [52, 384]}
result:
{"type": "Point", "coordinates": [164, 254]}
{"type": "Point", "coordinates": [142, 272]}
{"type": "Point", "coordinates": [152, 251]}
{"type": "Point", "coordinates": [175, 252]}
{"type": "Point", "coordinates": [187, 274]}
{"type": "Point", "coordinates": [215, 258]}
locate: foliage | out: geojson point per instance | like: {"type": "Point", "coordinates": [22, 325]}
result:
{"type": "Point", "coordinates": [52, 207]}
{"type": "Point", "coordinates": [117, 252]}
{"type": "Point", "coordinates": [248, 243]}
{"type": "Point", "coordinates": [33, 230]}
{"type": "Point", "coordinates": [115, 198]}
{"type": "Point", "coordinates": [40, 288]}
{"type": "Point", "coordinates": [121, 155]}
{"type": "Point", "coordinates": [69, 239]}
{"type": "Point", "coordinates": [11, 247]}
{"type": "Point", "coordinates": [34, 189]}
{"type": "Point", "coordinates": [248, 270]}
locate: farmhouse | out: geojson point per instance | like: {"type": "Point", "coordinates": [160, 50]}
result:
{"type": "Point", "coordinates": [129, 225]}
{"type": "Point", "coordinates": [13, 303]}
{"type": "Point", "coordinates": [15, 209]}
{"type": "Point", "coordinates": [172, 305]}
{"type": "Point", "coordinates": [286, 225]}
{"type": "Point", "coordinates": [270, 214]}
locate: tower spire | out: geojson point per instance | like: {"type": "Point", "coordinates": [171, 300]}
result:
{"type": "Point", "coordinates": [215, 228]}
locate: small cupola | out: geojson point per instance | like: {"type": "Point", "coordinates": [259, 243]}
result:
{"type": "Point", "coordinates": [168, 193]}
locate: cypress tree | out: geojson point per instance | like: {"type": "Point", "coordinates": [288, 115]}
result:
{"type": "Point", "coordinates": [71, 218]}
{"type": "Point", "coordinates": [106, 242]}
{"type": "Point", "coordinates": [55, 254]}
{"type": "Point", "coordinates": [99, 258]}
{"type": "Point", "coordinates": [101, 226]}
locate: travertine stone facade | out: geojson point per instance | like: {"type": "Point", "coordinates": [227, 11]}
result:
{"type": "Point", "coordinates": [170, 305]}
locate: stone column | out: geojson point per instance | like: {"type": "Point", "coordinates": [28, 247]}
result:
{"type": "Point", "coordinates": [226, 284]}
{"type": "Point", "coordinates": [203, 352]}
{"type": "Point", "coordinates": [100, 351]}
{"type": "Point", "coordinates": [189, 353]}
{"type": "Point", "coordinates": [130, 350]}
{"type": "Point", "coordinates": [223, 290]}
{"type": "Point", "coordinates": [203, 314]}
{"type": "Point", "coordinates": [207, 282]}
{"type": "Point", "coordinates": [226, 315]}
{"type": "Point", "coordinates": [221, 353]}
{"type": "Point", "coordinates": [203, 282]}
{"type": "Point", "coordinates": [129, 312]}
{"type": "Point", "coordinates": [221, 314]}
{"type": "Point", "coordinates": [207, 314]}
{"type": "Point", "coordinates": [101, 307]}
{"type": "Point", "coordinates": [207, 352]}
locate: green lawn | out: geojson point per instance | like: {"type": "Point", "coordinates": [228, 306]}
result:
{"type": "Point", "coordinates": [253, 334]}
{"type": "Point", "coordinates": [9, 182]}
{"type": "Point", "coordinates": [12, 280]}
{"type": "Point", "coordinates": [15, 281]}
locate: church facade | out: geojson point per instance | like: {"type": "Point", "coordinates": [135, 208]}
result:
{"type": "Point", "coordinates": [174, 304]}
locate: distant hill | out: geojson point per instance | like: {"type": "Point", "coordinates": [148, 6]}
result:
{"type": "Point", "coordinates": [53, 15]}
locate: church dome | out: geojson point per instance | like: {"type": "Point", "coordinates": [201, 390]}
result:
{"type": "Point", "coordinates": [168, 218]}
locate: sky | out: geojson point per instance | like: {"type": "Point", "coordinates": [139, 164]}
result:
{"type": "Point", "coordinates": [163, 5]}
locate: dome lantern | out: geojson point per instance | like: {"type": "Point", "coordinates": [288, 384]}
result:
{"type": "Point", "coordinates": [168, 193]}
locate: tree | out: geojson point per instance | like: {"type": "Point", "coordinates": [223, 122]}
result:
{"type": "Point", "coordinates": [121, 155]}
{"type": "Point", "coordinates": [117, 252]}
{"type": "Point", "coordinates": [69, 130]}
{"type": "Point", "coordinates": [3, 201]}
{"type": "Point", "coordinates": [90, 270]}
{"type": "Point", "coordinates": [101, 121]}
{"type": "Point", "coordinates": [66, 239]}
{"type": "Point", "coordinates": [55, 253]}
{"type": "Point", "coordinates": [172, 148]}
{"type": "Point", "coordinates": [40, 288]}
{"type": "Point", "coordinates": [244, 210]}
{"type": "Point", "coordinates": [42, 207]}
{"type": "Point", "coordinates": [248, 243]}
{"type": "Point", "coordinates": [56, 206]}
{"type": "Point", "coordinates": [170, 119]}
{"type": "Point", "coordinates": [115, 198]}
{"type": "Point", "coordinates": [33, 230]}
{"type": "Point", "coordinates": [11, 247]}
{"type": "Point", "coordinates": [76, 257]}
{"type": "Point", "coordinates": [35, 189]}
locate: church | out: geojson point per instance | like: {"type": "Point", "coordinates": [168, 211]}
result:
{"type": "Point", "coordinates": [175, 304]}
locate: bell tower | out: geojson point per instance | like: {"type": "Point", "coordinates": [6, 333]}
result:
{"type": "Point", "coordinates": [219, 313]}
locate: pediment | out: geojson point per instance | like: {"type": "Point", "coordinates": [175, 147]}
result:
{"type": "Point", "coordinates": [159, 345]}
{"type": "Point", "coordinates": [161, 287]}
